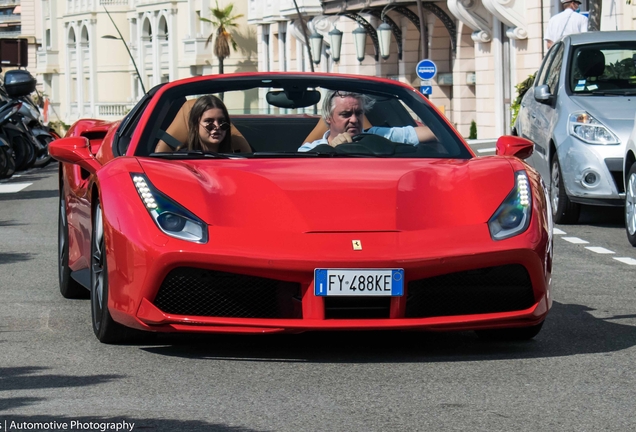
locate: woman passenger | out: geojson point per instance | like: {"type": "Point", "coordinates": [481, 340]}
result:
{"type": "Point", "coordinates": [209, 126]}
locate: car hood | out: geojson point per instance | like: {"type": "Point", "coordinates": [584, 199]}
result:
{"type": "Point", "coordinates": [336, 195]}
{"type": "Point", "coordinates": [615, 112]}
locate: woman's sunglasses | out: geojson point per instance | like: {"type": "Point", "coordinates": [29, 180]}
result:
{"type": "Point", "coordinates": [212, 126]}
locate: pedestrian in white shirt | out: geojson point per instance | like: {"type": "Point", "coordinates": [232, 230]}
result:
{"type": "Point", "coordinates": [567, 22]}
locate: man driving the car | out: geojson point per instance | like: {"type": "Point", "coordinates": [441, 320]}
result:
{"type": "Point", "coordinates": [344, 114]}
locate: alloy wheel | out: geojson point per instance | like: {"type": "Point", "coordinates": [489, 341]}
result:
{"type": "Point", "coordinates": [61, 238]}
{"type": "Point", "coordinates": [554, 186]}
{"type": "Point", "coordinates": [97, 268]}
{"type": "Point", "coordinates": [630, 204]}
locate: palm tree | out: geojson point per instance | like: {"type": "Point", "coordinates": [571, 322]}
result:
{"type": "Point", "coordinates": [223, 20]}
{"type": "Point", "coordinates": [596, 12]}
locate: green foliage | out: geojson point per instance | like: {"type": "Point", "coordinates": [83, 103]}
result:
{"type": "Point", "coordinates": [473, 130]}
{"type": "Point", "coordinates": [522, 88]}
{"type": "Point", "coordinates": [223, 21]}
{"type": "Point", "coordinates": [59, 127]}
{"type": "Point", "coordinates": [622, 69]}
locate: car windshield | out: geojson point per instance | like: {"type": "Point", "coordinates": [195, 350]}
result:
{"type": "Point", "coordinates": [603, 69]}
{"type": "Point", "coordinates": [277, 118]}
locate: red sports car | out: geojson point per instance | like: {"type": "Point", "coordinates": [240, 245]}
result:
{"type": "Point", "coordinates": [338, 203]}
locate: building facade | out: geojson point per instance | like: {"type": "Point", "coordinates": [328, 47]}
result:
{"type": "Point", "coordinates": [482, 48]}
{"type": "Point", "coordinates": [87, 70]}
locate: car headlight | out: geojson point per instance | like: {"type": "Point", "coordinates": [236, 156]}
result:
{"type": "Point", "coordinates": [170, 217]}
{"type": "Point", "coordinates": [586, 128]}
{"type": "Point", "coordinates": [513, 215]}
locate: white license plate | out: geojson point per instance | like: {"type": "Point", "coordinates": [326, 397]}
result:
{"type": "Point", "coordinates": [359, 282]}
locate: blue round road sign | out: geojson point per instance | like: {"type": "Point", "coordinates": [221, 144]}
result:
{"type": "Point", "coordinates": [426, 69]}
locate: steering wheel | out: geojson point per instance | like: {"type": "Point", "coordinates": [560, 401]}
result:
{"type": "Point", "coordinates": [376, 145]}
{"type": "Point", "coordinates": [368, 144]}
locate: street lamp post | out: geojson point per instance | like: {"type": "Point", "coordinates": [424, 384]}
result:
{"type": "Point", "coordinates": [336, 42]}
{"type": "Point", "coordinates": [121, 38]}
{"type": "Point", "coordinates": [360, 39]}
{"type": "Point", "coordinates": [315, 42]}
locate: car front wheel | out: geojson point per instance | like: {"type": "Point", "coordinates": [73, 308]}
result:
{"type": "Point", "coordinates": [105, 328]}
{"type": "Point", "coordinates": [564, 211]}
{"type": "Point", "coordinates": [69, 288]}
{"type": "Point", "coordinates": [630, 206]}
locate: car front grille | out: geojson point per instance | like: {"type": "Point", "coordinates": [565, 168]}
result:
{"type": "Point", "coordinates": [488, 290]}
{"type": "Point", "coordinates": [200, 292]}
{"type": "Point", "coordinates": [357, 308]}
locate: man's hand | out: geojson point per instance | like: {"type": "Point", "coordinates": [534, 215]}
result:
{"type": "Point", "coordinates": [343, 138]}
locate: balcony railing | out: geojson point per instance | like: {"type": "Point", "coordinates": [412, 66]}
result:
{"type": "Point", "coordinates": [10, 18]}
{"type": "Point", "coordinates": [113, 110]}
{"type": "Point", "coordinates": [75, 6]}
{"type": "Point", "coordinates": [10, 34]}
{"type": "Point", "coordinates": [7, 3]}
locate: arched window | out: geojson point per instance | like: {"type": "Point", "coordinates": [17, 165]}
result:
{"type": "Point", "coordinates": [71, 37]}
{"type": "Point", "coordinates": [162, 33]}
{"type": "Point", "coordinates": [146, 30]}
{"type": "Point", "coordinates": [84, 37]}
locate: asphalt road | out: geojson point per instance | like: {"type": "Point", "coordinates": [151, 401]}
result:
{"type": "Point", "coordinates": [577, 375]}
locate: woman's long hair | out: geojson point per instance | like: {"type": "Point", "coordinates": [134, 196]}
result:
{"type": "Point", "coordinates": [203, 104]}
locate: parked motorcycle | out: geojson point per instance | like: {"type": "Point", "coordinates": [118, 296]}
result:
{"type": "Point", "coordinates": [23, 130]}
{"type": "Point", "coordinates": [8, 109]}
{"type": "Point", "coordinates": [31, 118]}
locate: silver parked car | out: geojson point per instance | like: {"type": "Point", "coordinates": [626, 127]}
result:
{"type": "Point", "coordinates": [579, 113]}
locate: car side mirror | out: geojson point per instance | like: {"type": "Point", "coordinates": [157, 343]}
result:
{"type": "Point", "coordinates": [542, 94]}
{"type": "Point", "coordinates": [509, 145]}
{"type": "Point", "coordinates": [76, 151]}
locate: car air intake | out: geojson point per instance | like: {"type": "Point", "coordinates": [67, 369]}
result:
{"type": "Point", "coordinates": [356, 307]}
{"type": "Point", "coordinates": [615, 167]}
{"type": "Point", "coordinates": [200, 292]}
{"type": "Point", "coordinates": [488, 290]}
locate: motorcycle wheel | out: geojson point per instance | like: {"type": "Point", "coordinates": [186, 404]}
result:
{"type": "Point", "coordinates": [7, 162]}
{"type": "Point", "coordinates": [44, 158]}
{"type": "Point", "coordinates": [25, 153]}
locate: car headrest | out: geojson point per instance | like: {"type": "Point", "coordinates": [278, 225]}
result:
{"type": "Point", "coordinates": [591, 62]}
{"type": "Point", "coordinates": [322, 127]}
{"type": "Point", "coordinates": [179, 130]}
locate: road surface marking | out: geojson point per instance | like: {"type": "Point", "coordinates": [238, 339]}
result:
{"type": "Point", "coordinates": [13, 187]}
{"type": "Point", "coordinates": [575, 240]}
{"type": "Point", "coordinates": [599, 250]}
{"type": "Point", "coordinates": [487, 150]}
{"type": "Point", "coordinates": [626, 260]}
{"type": "Point", "coordinates": [558, 231]}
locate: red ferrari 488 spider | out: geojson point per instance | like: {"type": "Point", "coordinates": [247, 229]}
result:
{"type": "Point", "coordinates": [292, 202]}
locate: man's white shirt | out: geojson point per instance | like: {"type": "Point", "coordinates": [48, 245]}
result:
{"type": "Point", "coordinates": [565, 23]}
{"type": "Point", "coordinates": [404, 134]}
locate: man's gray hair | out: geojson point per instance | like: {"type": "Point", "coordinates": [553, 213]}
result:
{"type": "Point", "coordinates": [328, 104]}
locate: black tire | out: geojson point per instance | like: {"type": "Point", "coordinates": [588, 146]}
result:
{"type": "Point", "coordinates": [105, 328]}
{"type": "Point", "coordinates": [69, 288]}
{"type": "Point", "coordinates": [564, 211]}
{"type": "Point", "coordinates": [4, 163]}
{"type": "Point", "coordinates": [7, 162]}
{"type": "Point", "coordinates": [44, 158]}
{"type": "Point", "coordinates": [510, 334]}
{"type": "Point", "coordinates": [25, 153]}
{"type": "Point", "coordinates": [630, 205]}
